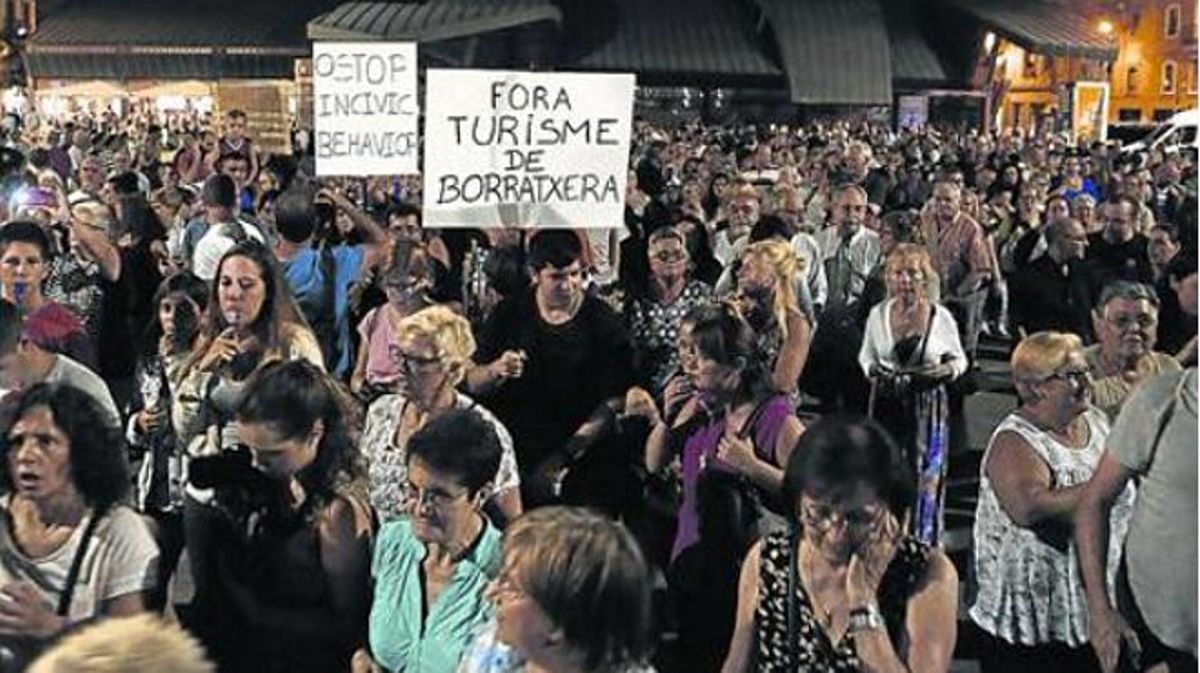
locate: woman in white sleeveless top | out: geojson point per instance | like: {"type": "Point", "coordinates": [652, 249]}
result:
{"type": "Point", "coordinates": [1030, 601]}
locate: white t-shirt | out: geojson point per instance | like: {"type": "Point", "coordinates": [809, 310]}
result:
{"type": "Point", "coordinates": [213, 245]}
{"type": "Point", "coordinates": [121, 559]}
{"type": "Point", "coordinates": [69, 372]}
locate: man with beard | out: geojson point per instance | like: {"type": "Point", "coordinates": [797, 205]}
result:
{"type": "Point", "coordinates": [850, 252]}
{"type": "Point", "coordinates": [1126, 322]}
{"type": "Point", "coordinates": [553, 364]}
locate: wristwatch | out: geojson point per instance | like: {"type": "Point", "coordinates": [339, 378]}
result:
{"type": "Point", "coordinates": [865, 618]}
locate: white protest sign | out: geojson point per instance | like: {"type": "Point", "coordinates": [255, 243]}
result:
{"type": "Point", "coordinates": [365, 107]}
{"type": "Point", "coordinates": [526, 149]}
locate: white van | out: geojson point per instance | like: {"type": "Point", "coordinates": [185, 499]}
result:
{"type": "Point", "coordinates": [1176, 133]}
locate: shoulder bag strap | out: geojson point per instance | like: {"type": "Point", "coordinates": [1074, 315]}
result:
{"type": "Point", "coordinates": [64, 600]}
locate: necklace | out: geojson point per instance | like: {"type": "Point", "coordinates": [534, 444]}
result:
{"type": "Point", "coordinates": [822, 612]}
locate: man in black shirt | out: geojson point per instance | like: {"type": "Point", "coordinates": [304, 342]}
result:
{"type": "Point", "coordinates": [1118, 252]}
{"type": "Point", "coordinates": [1057, 290]}
{"type": "Point", "coordinates": [554, 364]}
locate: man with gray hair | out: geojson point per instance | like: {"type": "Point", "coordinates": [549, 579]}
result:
{"type": "Point", "coordinates": [1126, 323]}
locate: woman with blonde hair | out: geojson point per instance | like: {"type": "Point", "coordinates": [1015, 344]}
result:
{"type": "Point", "coordinates": [137, 644]}
{"type": "Point", "coordinates": [910, 352]}
{"type": "Point", "coordinates": [767, 280]}
{"type": "Point", "coordinates": [432, 352]}
{"type": "Point", "coordinates": [1031, 603]}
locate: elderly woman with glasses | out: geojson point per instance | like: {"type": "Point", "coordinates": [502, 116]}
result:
{"type": "Point", "coordinates": [430, 571]}
{"type": "Point", "coordinates": [432, 351]}
{"type": "Point", "coordinates": [654, 316]}
{"type": "Point", "coordinates": [1030, 602]}
{"type": "Point", "coordinates": [845, 589]}
{"type": "Point", "coordinates": [573, 597]}
{"type": "Point", "coordinates": [1126, 323]}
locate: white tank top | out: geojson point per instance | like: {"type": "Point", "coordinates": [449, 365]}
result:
{"type": "Point", "coordinates": [1030, 590]}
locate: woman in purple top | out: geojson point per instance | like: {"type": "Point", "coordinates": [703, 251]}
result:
{"type": "Point", "coordinates": [733, 434]}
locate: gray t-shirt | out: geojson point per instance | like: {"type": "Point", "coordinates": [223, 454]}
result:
{"type": "Point", "coordinates": [1155, 436]}
{"type": "Point", "coordinates": [71, 373]}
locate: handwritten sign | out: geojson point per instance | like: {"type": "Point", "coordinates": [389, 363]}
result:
{"type": "Point", "coordinates": [525, 149]}
{"type": "Point", "coordinates": [365, 108]}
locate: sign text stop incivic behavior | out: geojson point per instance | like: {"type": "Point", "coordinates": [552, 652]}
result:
{"type": "Point", "coordinates": [365, 108]}
{"type": "Point", "coordinates": [526, 149]}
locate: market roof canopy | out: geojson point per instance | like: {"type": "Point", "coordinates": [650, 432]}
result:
{"type": "Point", "coordinates": [429, 21]}
{"type": "Point", "coordinates": [698, 39]}
{"type": "Point", "coordinates": [190, 39]}
{"type": "Point", "coordinates": [1042, 27]}
{"type": "Point", "coordinates": [914, 61]}
{"type": "Point", "coordinates": [87, 89]}
{"type": "Point", "coordinates": [835, 52]}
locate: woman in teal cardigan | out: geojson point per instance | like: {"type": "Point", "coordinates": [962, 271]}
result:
{"type": "Point", "coordinates": [430, 570]}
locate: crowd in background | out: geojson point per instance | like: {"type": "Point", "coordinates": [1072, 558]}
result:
{"type": "Point", "coordinates": [321, 437]}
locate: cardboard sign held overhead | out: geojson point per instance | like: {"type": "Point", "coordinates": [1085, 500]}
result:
{"type": "Point", "coordinates": [365, 108]}
{"type": "Point", "coordinates": [526, 149]}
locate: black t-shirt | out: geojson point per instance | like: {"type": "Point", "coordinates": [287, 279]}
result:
{"type": "Point", "coordinates": [1120, 261]}
{"type": "Point", "coordinates": [1046, 298]}
{"type": "Point", "coordinates": [570, 369]}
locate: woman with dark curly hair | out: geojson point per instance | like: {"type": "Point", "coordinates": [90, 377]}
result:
{"type": "Point", "coordinates": [293, 546]}
{"type": "Point", "coordinates": [69, 551]}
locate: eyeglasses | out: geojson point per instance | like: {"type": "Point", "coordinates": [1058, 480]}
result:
{"type": "Point", "coordinates": [435, 498]}
{"type": "Point", "coordinates": [1143, 321]}
{"type": "Point", "coordinates": [667, 257]}
{"type": "Point", "coordinates": [1076, 377]}
{"type": "Point", "coordinates": [411, 364]}
{"type": "Point", "coordinates": [824, 517]}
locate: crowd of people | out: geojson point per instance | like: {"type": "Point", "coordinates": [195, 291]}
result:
{"type": "Point", "coordinates": [715, 437]}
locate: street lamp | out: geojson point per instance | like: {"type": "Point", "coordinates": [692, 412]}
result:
{"type": "Point", "coordinates": [1105, 27]}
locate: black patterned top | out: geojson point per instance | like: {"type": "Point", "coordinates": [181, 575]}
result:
{"type": "Point", "coordinates": [814, 652]}
{"type": "Point", "coordinates": [655, 331]}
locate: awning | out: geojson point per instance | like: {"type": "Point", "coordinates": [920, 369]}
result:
{"type": "Point", "coordinates": [429, 21]}
{"type": "Point", "coordinates": [186, 88]}
{"type": "Point", "coordinates": [914, 60]}
{"type": "Point", "coordinates": [192, 39]}
{"type": "Point", "coordinates": [1041, 27]}
{"type": "Point", "coordinates": [835, 52]}
{"type": "Point", "coordinates": [701, 42]}
{"type": "Point", "coordinates": [87, 89]}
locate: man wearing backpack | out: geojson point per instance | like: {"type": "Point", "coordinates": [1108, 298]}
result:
{"type": "Point", "coordinates": [320, 275]}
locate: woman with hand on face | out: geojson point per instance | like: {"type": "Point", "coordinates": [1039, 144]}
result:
{"type": "Point", "coordinates": [294, 557]}
{"type": "Point", "coordinates": [733, 434]}
{"type": "Point", "coordinates": [251, 320]}
{"type": "Point", "coordinates": [69, 551]}
{"type": "Point", "coordinates": [430, 569]}
{"type": "Point", "coordinates": [767, 280]}
{"type": "Point", "coordinates": [573, 597]}
{"type": "Point", "coordinates": [1031, 603]}
{"type": "Point", "coordinates": [180, 301]}
{"type": "Point", "coordinates": [847, 590]}
{"type": "Point", "coordinates": [910, 352]}
{"type": "Point", "coordinates": [432, 351]}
